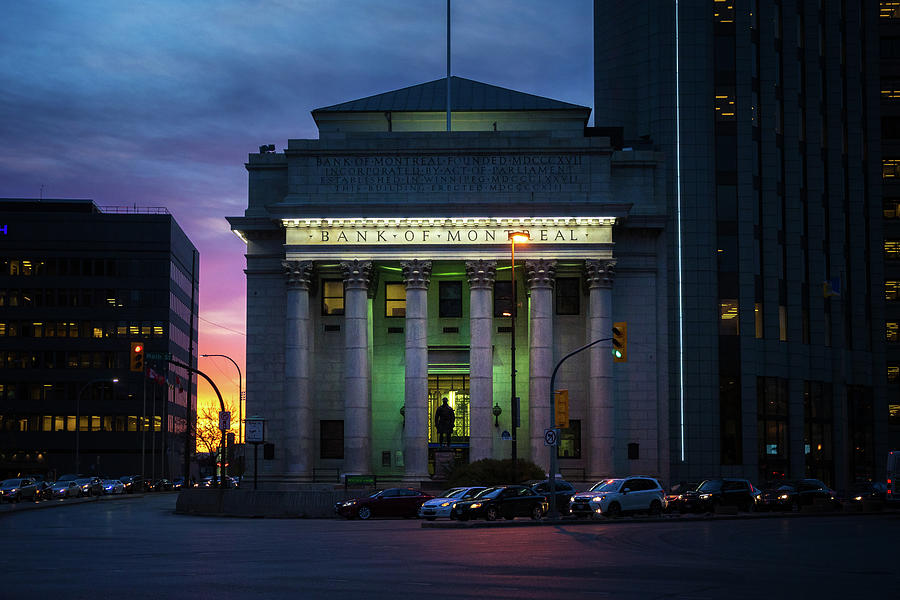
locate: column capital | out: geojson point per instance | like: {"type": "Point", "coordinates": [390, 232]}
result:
{"type": "Point", "coordinates": [481, 273]}
{"type": "Point", "coordinates": [298, 273]}
{"type": "Point", "coordinates": [416, 273]}
{"type": "Point", "coordinates": [541, 272]}
{"type": "Point", "coordinates": [599, 273]}
{"type": "Point", "coordinates": [357, 273]}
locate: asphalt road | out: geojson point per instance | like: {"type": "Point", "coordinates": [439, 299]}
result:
{"type": "Point", "coordinates": [138, 548]}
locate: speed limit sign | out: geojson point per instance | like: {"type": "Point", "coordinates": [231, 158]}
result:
{"type": "Point", "coordinates": [551, 437]}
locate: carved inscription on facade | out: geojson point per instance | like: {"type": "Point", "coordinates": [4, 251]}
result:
{"type": "Point", "coordinates": [450, 173]}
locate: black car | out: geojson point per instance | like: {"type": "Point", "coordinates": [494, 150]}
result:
{"type": "Point", "coordinates": [713, 493]}
{"type": "Point", "coordinates": [564, 492]}
{"type": "Point", "coordinates": [507, 501]}
{"type": "Point", "coordinates": [867, 491]}
{"type": "Point", "coordinates": [794, 494]}
{"type": "Point", "coordinates": [676, 493]}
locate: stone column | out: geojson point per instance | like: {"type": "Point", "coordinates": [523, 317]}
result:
{"type": "Point", "coordinates": [541, 274]}
{"type": "Point", "coordinates": [298, 411]}
{"type": "Point", "coordinates": [417, 275]}
{"type": "Point", "coordinates": [601, 433]}
{"type": "Point", "coordinates": [481, 274]}
{"type": "Point", "coordinates": [357, 402]}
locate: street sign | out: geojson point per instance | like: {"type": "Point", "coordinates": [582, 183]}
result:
{"type": "Point", "coordinates": [254, 430]}
{"type": "Point", "coordinates": [224, 420]}
{"type": "Point", "coordinates": [159, 356]}
{"type": "Point", "coordinates": [551, 437]}
{"type": "Point", "coordinates": [506, 436]}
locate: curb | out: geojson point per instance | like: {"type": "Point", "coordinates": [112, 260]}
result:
{"type": "Point", "coordinates": [8, 508]}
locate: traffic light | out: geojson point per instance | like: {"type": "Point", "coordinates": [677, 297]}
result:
{"type": "Point", "coordinates": [136, 357]}
{"type": "Point", "coordinates": [620, 342]}
{"type": "Point", "coordinates": [561, 407]}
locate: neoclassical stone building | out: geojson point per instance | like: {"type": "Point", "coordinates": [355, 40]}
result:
{"type": "Point", "coordinates": [379, 283]}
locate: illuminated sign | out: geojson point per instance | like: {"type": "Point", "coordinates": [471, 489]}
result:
{"type": "Point", "coordinates": [3, 229]}
{"type": "Point", "coordinates": [449, 231]}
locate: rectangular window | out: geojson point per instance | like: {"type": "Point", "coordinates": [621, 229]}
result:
{"type": "Point", "coordinates": [395, 299]}
{"type": "Point", "coordinates": [450, 299]}
{"type": "Point", "coordinates": [892, 249]}
{"type": "Point", "coordinates": [891, 208]}
{"type": "Point", "coordinates": [725, 108]}
{"type": "Point", "coordinates": [782, 323]}
{"type": "Point", "coordinates": [818, 424]}
{"type": "Point", "coordinates": [723, 11]}
{"type": "Point", "coordinates": [893, 331]}
{"type": "Point", "coordinates": [891, 289]}
{"type": "Point", "coordinates": [889, 9]}
{"type": "Point", "coordinates": [728, 317]}
{"type": "Point", "coordinates": [502, 298]}
{"type": "Point", "coordinates": [332, 297]}
{"type": "Point", "coordinates": [772, 427]}
{"type": "Point", "coordinates": [570, 440]}
{"type": "Point", "coordinates": [890, 168]}
{"type": "Point", "coordinates": [331, 439]}
{"type": "Point", "coordinates": [730, 423]}
{"type": "Point", "coordinates": [568, 296]}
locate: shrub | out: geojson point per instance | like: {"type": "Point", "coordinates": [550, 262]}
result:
{"type": "Point", "coordinates": [493, 472]}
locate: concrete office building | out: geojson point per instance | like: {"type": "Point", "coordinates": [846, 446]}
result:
{"type": "Point", "coordinates": [78, 284]}
{"type": "Point", "coordinates": [378, 284]}
{"type": "Point", "coordinates": [768, 115]}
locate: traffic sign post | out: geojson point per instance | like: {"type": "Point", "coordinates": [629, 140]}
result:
{"type": "Point", "coordinates": [551, 437]}
{"type": "Point", "coordinates": [255, 430]}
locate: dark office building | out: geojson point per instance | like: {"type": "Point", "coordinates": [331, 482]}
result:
{"type": "Point", "coordinates": [768, 114]}
{"type": "Point", "coordinates": [889, 30]}
{"type": "Point", "coordinates": [78, 285]}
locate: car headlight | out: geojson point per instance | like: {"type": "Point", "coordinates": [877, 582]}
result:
{"type": "Point", "coordinates": [705, 496]}
{"type": "Point", "coordinates": [571, 498]}
{"type": "Point", "coordinates": [596, 498]}
{"type": "Point", "coordinates": [858, 498]}
{"type": "Point", "coordinates": [783, 497]}
{"type": "Point", "coordinates": [14, 490]}
{"type": "Point", "coordinates": [476, 505]}
{"type": "Point", "coordinates": [454, 505]}
{"type": "Point", "coordinates": [445, 504]}
{"type": "Point", "coordinates": [350, 503]}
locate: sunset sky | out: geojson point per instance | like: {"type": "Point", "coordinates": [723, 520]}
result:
{"type": "Point", "coordinates": [158, 103]}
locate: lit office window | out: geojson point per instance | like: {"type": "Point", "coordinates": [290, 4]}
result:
{"type": "Point", "coordinates": [725, 107]}
{"type": "Point", "coordinates": [758, 319]}
{"type": "Point", "coordinates": [723, 11]}
{"type": "Point", "coordinates": [728, 317]}
{"type": "Point", "coordinates": [893, 373]}
{"type": "Point", "coordinates": [395, 299]}
{"type": "Point", "coordinates": [889, 9]}
{"type": "Point", "coordinates": [890, 168]}
{"type": "Point", "coordinates": [891, 208]}
{"type": "Point", "coordinates": [890, 89]}
{"type": "Point", "coordinates": [892, 249]}
{"type": "Point", "coordinates": [893, 331]}
{"type": "Point", "coordinates": [332, 297]}
{"type": "Point", "coordinates": [891, 289]}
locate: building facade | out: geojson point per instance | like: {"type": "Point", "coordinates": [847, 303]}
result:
{"type": "Point", "coordinates": [768, 115]}
{"type": "Point", "coordinates": [78, 284]}
{"type": "Point", "coordinates": [379, 284]}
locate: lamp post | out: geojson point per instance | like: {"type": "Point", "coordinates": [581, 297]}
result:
{"type": "Point", "coordinates": [78, 415]}
{"type": "Point", "coordinates": [240, 399]}
{"type": "Point", "coordinates": [514, 236]}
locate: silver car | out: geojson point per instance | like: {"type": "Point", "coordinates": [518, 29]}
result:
{"type": "Point", "coordinates": [15, 490]}
{"type": "Point", "coordinates": [443, 504]}
{"type": "Point", "coordinates": [615, 497]}
{"type": "Point", "coordinates": [113, 486]}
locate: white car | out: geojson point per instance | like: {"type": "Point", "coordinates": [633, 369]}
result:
{"type": "Point", "coordinates": [443, 504]}
{"type": "Point", "coordinates": [614, 497]}
{"type": "Point", "coordinates": [113, 486]}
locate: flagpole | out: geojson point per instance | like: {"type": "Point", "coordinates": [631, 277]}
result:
{"type": "Point", "coordinates": [448, 66]}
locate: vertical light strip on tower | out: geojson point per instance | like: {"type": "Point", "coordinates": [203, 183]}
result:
{"type": "Point", "coordinates": [448, 65]}
{"type": "Point", "coordinates": [678, 236]}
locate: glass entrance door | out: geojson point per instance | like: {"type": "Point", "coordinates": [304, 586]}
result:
{"type": "Point", "coordinates": [455, 388]}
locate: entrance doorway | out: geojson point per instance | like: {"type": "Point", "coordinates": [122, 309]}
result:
{"type": "Point", "coordinates": [455, 388]}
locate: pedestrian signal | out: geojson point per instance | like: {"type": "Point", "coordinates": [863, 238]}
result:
{"type": "Point", "coordinates": [136, 357]}
{"type": "Point", "coordinates": [620, 342]}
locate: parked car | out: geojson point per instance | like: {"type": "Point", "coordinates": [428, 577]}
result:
{"type": "Point", "coordinates": [90, 486]}
{"type": "Point", "coordinates": [867, 491]}
{"type": "Point", "coordinates": [162, 485]}
{"type": "Point", "coordinates": [113, 486]}
{"type": "Point", "coordinates": [443, 503]}
{"type": "Point", "coordinates": [712, 493]}
{"type": "Point", "coordinates": [676, 492]}
{"type": "Point", "coordinates": [794, 494]}
{"type": "Point", "coordinates": [16, 490]}
{"type": "Point", "coordinates": [614, 497]}
{"type": "Point", "coordinates": [563, 492]}
{"type": "Point", "coordinates": [178, 483]}
{"type": "Point", "coordinates": [44, 490]}
{"type": "Point", "coordinates": [66, 489]}
{"type": "Point", "coordinates": [392, 502]}
{"type": "Point", "coordinates": [507, 501]}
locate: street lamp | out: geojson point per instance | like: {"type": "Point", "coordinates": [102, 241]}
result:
{"type": "Point", "coordinates": [78, 415]}
{"type": "Point", "coordinates": [521, 237]}
{"type": "Point", "coordinates": [240, 399]}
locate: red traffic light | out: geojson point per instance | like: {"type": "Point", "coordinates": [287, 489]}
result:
{"type": "Point", "coordinates": [137, 348]}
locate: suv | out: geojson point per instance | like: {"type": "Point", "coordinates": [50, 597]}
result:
{"type": "Point", "coordinates": [614, 497]}
{"type": "Point", "coordinates": [719, 492]}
